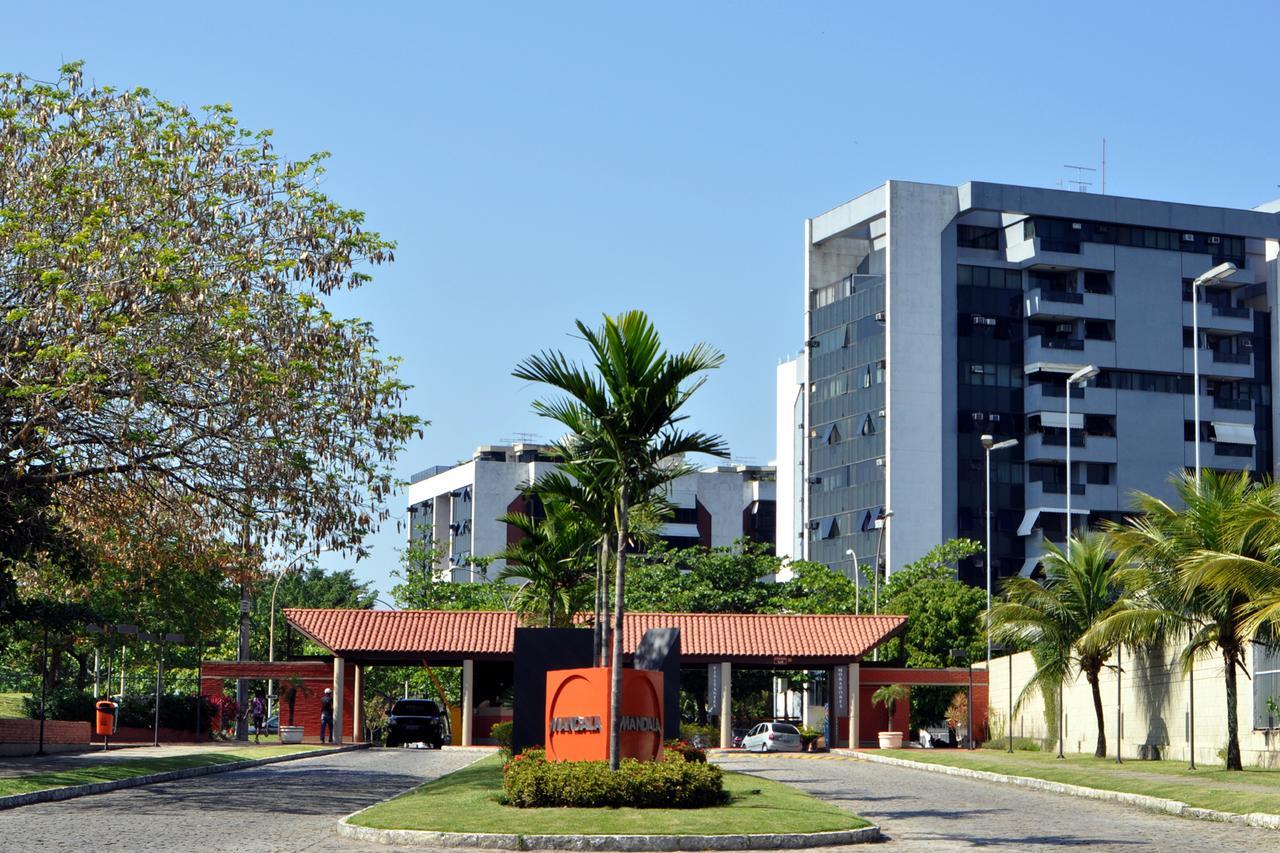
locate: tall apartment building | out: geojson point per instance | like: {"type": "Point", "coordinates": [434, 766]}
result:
{"type": "Point", "coordinates": [935, 314]}
{"type": "Point", "coordinates": [456, 507]}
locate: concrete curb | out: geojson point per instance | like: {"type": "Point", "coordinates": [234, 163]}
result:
{"type": "Point", "coordinates": [1142, 801]}
{"type": "Point", "coordinates": [49, 795]}
{"type": "Point", "coordinates": [507, 841]}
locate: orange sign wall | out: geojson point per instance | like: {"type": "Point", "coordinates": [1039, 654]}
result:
{"type": "Point", "coordinates": [578, 714]}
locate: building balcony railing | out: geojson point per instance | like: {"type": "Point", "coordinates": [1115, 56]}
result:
{"type": "Point", "coordinates": [1061, 343]}
{"type": "Point", "coordinates": [1230, 311]}
{"type": "Point", "coordinates": [1053, 294]}
{"type": "Point", "coordinates": [1061, 488]}
{"type": "Point", "coordinates": [1235, 405]}
{"type": "Point", "coordinates": [1232, 357]}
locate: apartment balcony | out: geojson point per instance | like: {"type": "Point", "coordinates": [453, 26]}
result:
{"type": "Point", "coordinates": [1083, 495]}
{"type": "Point", "coordinates": [1048, 302]}
{"type": "Point", "coordinates": [1061, 255]}
{"type": "Point", "coordinates": [1051, 397]}
{"type": "Point", "coordinates": [1077, 351]}
{"type": "Point", "coordinates": [1225, 457]}
{"type": "Point", "coordinates": [1051, 447]}
{"type": "Point", "coordinates": [1229, 365]}
{"type": "Point", "coordinates": [1215, 319]}
{"type": "Point", "coordinates": [1216, 408]}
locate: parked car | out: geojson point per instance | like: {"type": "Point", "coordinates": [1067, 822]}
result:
{"type": "Point", "coordinates": [739, 732]}
{"type": "Point", "coordinates": [415, 721]}
{"type": "Point", "coordinates": [772, 737]}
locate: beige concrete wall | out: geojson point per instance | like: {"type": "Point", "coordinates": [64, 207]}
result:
{"type": "Point", "coordinates": [1153, 700]}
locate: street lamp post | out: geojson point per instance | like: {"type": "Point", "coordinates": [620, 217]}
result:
{"type": "Point", "coordinates": [271, 631]}
{"type": "Point", "coordinates": [882, 520]}
{"type": "Point", "coordinates": [857, 581]}
{"type": "Point", "coordinates": [989, 444]}
{"type": "Point", "coordinates": [1216, 274]}
{"type": "Point", "coordinates": [1080, 377]}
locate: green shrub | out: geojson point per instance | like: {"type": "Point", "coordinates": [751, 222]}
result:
{"type": "Point", "coordinates": [701, 736]}
{"type": "Point", "coordinates": [530, 781]}
{"type": "Point", "coordinates": [501, 732]}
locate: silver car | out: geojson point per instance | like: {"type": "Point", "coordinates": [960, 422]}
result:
{"type": "Point", "coordinates": [772, 737]}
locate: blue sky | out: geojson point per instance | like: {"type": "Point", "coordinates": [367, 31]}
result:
{"type": "Point", "coordinates": [543, 162]}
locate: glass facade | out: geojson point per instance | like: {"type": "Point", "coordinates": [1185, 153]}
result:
{"type": "Point", "coordinates": [846, 438]}
{"type": "Point", "coordinates": [989, 400]}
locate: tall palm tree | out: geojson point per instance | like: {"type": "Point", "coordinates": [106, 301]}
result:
{"type": "Point", "coordinates": [627, 402]}
{"type": "Point", "coordinates": [553, 558]}
{"type": "Point", "coordinates": [1053, 618]}
{"type": "Point", "coordinates": [1193, 570]}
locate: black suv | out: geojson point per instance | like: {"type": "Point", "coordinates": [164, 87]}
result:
{"type": "Point", "coordinates": [414, 720]}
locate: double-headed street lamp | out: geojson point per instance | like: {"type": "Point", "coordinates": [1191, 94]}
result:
{"type": "Point", "coordinates": [1218, 273]}
{"type": "Point", "coordinates": [1080, 377]}
{"type": "Point", "coordinates": [989, 444]}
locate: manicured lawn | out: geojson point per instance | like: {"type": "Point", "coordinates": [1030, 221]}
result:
{"type": "Point", "coordinates": [466, 801]}
{"type": "Point", "coordinates": [1210, 787]}
{"type": "Point", "coordinates": [11, 705]}
{"type": "Point", "coordinates": [109, 771]}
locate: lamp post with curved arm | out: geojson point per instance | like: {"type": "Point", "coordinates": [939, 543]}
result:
{"type": "Point", "coordinates": [271, 631]}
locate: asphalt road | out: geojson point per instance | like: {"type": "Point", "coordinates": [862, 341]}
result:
{"type": "Point", "coordinates": [280, 807]}
{"type": "Point", "coordinates": [918, 810]}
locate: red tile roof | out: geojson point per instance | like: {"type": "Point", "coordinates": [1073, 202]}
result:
{"type": "Point", "coordinates": [433, 634]}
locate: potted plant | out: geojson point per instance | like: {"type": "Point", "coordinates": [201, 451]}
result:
{"type": "Point", "coordinates": [291, 733]}
{"type": "Point", "coordinates": [808, 737]}
{"type": "Point", "coordinates": [889, 695]}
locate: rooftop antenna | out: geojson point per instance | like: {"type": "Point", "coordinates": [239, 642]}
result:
{"type": "Point", "coordinates": [1080, 184]}
{"type": "Point", "coordinates": [1104, 165]}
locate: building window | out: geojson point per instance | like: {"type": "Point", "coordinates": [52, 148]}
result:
{"type": "Point", "coordinates": [1097, 282]}
{"type": "Point", "coordinates": [1097, 473]}
{"type": "Point", "coordinates": [977, 237]}
{"type": "Point", "coordinates": [998, 277]}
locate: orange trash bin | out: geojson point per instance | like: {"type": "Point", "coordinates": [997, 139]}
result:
{"type": "Point", "coordinates": [106, 714]}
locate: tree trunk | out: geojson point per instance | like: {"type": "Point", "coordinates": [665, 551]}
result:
{"type": "Point", "coordinates": [1229, 655]}
{"type": "Point", "coordinates": [1100, 751]}
{"type": "Point", "coordinates": [615, 691]}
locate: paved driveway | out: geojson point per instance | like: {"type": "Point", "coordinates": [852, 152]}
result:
{"type": "Point", "coordinates": [918, 810]}
{"type": "Point", "coordinates": [279, 807]}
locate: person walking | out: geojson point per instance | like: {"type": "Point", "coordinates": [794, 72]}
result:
{"type": "Point", "coordinates": [326, 715]}
{"type": "Point", "coordinates": [258, 712]}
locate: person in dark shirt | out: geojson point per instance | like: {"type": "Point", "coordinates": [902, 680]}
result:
{"type": "Point", "coordinates": [326, 716]}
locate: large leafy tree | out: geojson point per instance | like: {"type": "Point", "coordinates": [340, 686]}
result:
{"type": "Point", "coordinates": [420, 587]}
{"type": "Point", "coordinates": [162, 275]}
{"type": "Point", "coordinates": [628, 401]}
{"type": "Point", "coordinates": [1198, 572]}
{"type": "Point", "coordinates": [1081, 589]}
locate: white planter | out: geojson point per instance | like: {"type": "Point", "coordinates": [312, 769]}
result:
{"type": "Point", "coordinates": [293, 734]}
{"type": "Point", "coordinates": [890, 740]}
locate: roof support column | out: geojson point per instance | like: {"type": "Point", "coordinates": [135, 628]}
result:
{"type": "Point", "coordinates": [855, 691]}
{"type": "Point", "coordinates": [357, 710]}
{"type": "Point", "coordinates": [726, 704]}
{"type": "Point", "coordinates": [339, 680]}
{"type": "Point", "coordinates": [468, 702]}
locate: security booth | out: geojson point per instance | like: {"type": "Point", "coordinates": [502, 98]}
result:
{"type": "Point", "coordinates": [478, 642]}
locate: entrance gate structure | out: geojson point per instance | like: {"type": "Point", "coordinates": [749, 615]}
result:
{"type": "Point", "coordinates": [833, 643]}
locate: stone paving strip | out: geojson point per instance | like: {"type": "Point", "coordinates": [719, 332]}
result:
{"type": "Point", "coordinates": [67, 792]}
{"type": "Point", "coordinates": [1143, 801]}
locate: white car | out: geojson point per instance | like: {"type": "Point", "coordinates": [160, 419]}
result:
{"type": "Point", "coordinates": [772, 737]}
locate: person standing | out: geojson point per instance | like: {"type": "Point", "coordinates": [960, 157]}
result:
{"type": "Point", "coordinates": [326, 715]}
{"type": "Point", "coordinates": [258, 711]}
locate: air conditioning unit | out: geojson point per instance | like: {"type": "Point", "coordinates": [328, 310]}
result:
{"type": "Point", "coordinates": [977, 368]}
{"type": "Point", "coordinates": [1065, 327]}
{"type": "Point", "coordinates": [880, 316]}
{"type": "Point", "coordinates": [880, 462]}
{"type": "Point", "coordinates": [815, 481]}
{"type": "Point", "coordinates": [880, 413]}
{"type": "Point", "coordinates": [993, 417]}
{"type": "Point", "coordinates": [977, 416]}
{"type": "Point", "coordinates": [1245, 343]}
{"type": "Point", "coordinates": [1076, 226]}
{"type": "Point", "coordinates": [1188, 238]}
{"type": "Point", "coordinates": [1214, 241]}
{"type": "Point", "coordinates": [813, 525]}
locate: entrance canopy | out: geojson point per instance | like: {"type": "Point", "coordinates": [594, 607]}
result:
{"type": "Point", "coordinates": [770, 640]}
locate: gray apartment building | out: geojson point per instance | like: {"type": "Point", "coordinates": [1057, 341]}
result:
{"type": "Point", "coordinates": [936, 314]}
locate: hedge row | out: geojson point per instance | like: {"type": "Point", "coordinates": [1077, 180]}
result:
{"type": "Point", "coordinates": [530, 781]}
{"type": "Point", "coordinates": [176, 712]}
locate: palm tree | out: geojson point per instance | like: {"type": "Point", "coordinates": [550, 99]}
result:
{"type": "Point", "coordinates": [552, 558]}
{"type": "Point", "coordinates": [1197, 570]}
{"type": "Point", "coordinates": [889, 695]}
{"type": "Point", "coordinates": [1053, 618]}
{"type": "Point", "coordinates": [627, 403]}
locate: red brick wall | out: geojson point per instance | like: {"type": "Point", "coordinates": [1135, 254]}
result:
{"type": "Point", "coordinates": [138, 734]}
{"type": "Point", "coordinates": [55, 731]}
{"type": "Point", "coordinates": [315, 675]}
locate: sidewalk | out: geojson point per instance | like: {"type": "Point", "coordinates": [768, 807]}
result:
{"type": "Point", "coordinates": [21, 765]}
